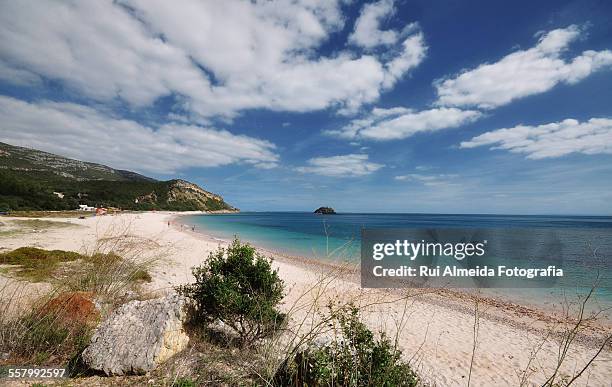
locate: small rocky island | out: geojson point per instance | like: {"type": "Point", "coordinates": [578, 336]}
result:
{"type": "Point", "coordinates": [325, 211]}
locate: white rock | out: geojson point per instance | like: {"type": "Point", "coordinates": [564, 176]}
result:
{"type": "Point", "coordinates": [138, 336]}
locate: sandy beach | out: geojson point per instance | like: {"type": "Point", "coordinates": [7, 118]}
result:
{"type": "Point", "coordinates": [436, 331]}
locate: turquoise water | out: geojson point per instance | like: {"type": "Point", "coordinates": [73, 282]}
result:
{"type": "Point", "coordinates": [337, 238]}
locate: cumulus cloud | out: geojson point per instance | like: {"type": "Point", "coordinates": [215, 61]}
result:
{"type": "Point", "coordinates": [217, 58]}
{"type": "Point", "coordinates": [412, 53]}
{"type": "Point", "coordinates": [351, 165]}
{"type": "Point", "coordinates": [87, 134]}
{"type": "Point", "coordinates": [550, 140]}
{"type": "Point", "coordinates": [367, 32]}
{"type": "Point", "coordinates": [399, 123]}
{"type": "Point", "coordinates": [522, 73]}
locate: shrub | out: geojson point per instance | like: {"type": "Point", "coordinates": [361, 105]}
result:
{"type": "Point", "coordinates": [352, 358]}
{"type": "Point", "coordinates": [238, 287]}
{"type": "Point", "coordinates": [184, 382]}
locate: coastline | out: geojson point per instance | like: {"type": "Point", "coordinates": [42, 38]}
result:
{"type": "Point", "coordinates": [435, 330]}
{"type": "Point", "coordinates": [504, 311]}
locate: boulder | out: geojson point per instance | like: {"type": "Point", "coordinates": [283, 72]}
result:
{"type": "Point", "coordinates": [138, 336]}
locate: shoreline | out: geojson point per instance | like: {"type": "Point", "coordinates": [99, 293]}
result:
{"type": "Point", "coordinates": [434, 330]}
{"type": "Point", "coordinates": [448, 298]}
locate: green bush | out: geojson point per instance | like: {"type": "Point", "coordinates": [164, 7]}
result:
{"type": "Point", "coordinates": [354, 357]}
{"type": "Point", "coordinates": [238, 287]}
{"type": "Point", "coordinates": [184, 382]}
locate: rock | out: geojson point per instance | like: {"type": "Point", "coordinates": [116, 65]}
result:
{"type": "Point", "coordinates": [138, 337]}
{"type": "Point", "coordinates": [325, 211]}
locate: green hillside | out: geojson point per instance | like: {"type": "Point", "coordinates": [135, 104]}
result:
{"type": "Point", "coordinates": [35, 180]}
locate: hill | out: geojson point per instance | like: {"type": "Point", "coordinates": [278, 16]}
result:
{"type": "Point", "coordinates": [34, 180]}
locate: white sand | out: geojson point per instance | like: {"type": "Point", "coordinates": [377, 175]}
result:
{"type": "Point", "coordinates": [438, 331]}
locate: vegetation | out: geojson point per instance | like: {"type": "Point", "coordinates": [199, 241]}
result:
{"type": "Point", "coordinates": [36, 264]}
{"type": "Point", "coordinates": [353, 357]}
{"type": "Point", "coordinates": [55, 327]}
{"type": "Point", "coordinates": [39, 337]}
{"type": "Point", "coordinates": [238, 287]}
{"type": "Point", "coordinates": [29, 178]}
{"type": "Point", "coordinates": [105, 274]}
{"type": "Point", "coordinates": [325, 211]}
{"type": "Point", "coordinates": [30, 191]}
{"type": "Point", "coordinates": [78, 272]}
{"type": "Point", "coordinates": [40, 224]}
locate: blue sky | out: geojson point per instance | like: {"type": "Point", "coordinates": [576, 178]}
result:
{"type": "Point", "coordinates": [382, 106]}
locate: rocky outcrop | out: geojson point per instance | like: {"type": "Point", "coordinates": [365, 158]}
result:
{"type": "Point", "coordinates": [150, 198]}
{"type": "Point", "coordinates": [182, 191]}
{"type": "Point", "coordinates": [138, 337]}
{"type": "Point", "coordinates": [325, 211]}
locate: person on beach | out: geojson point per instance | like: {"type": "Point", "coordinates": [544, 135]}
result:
{"type": "Point", "coordinates": [193, 228]}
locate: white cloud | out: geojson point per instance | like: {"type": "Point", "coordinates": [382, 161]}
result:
{"type": "Point", "coordinates": [399, 123]}
{"type": "Point", "coordinates": [550, 140]}
{"type": "Point", "coordinates": [522, 73]}
{"type": "Point", "coordinates": [86, 134]}
{"type": "Point", "coordinates": [351, 165]}
{"type": "Point", "coordinates": [413, 53]}
{"type": "Point", "coordinates": [367, 32]}
{"type": "Point", "coordinates": [219, 57]}
{"type": "Point", "coordinates": [434, 180]}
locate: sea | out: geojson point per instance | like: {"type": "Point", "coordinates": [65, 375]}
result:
{"type": "Point", "coordinates": [587, 242]}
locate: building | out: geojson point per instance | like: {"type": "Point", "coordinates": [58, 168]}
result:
{"type": "Point", "coordinates": [85, 207]}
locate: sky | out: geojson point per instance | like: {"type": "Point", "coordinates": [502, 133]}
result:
{"type": "Point", "coordinates": [382, 106]}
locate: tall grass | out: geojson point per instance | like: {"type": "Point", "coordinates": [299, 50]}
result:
{"type": "Point", "coordinates": [38, 335]}
{"type": "Point", "coordinates": [110, 272]}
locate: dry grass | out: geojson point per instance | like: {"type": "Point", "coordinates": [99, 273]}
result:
{"type": "Point", "coordinates": [112, 272]}
{"type": "Point", "coordinates": [101, 273]}
{"type": "Point", "coordinates": [35, 337]}
{"type": "Point", "coordinates": [38, 335]}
